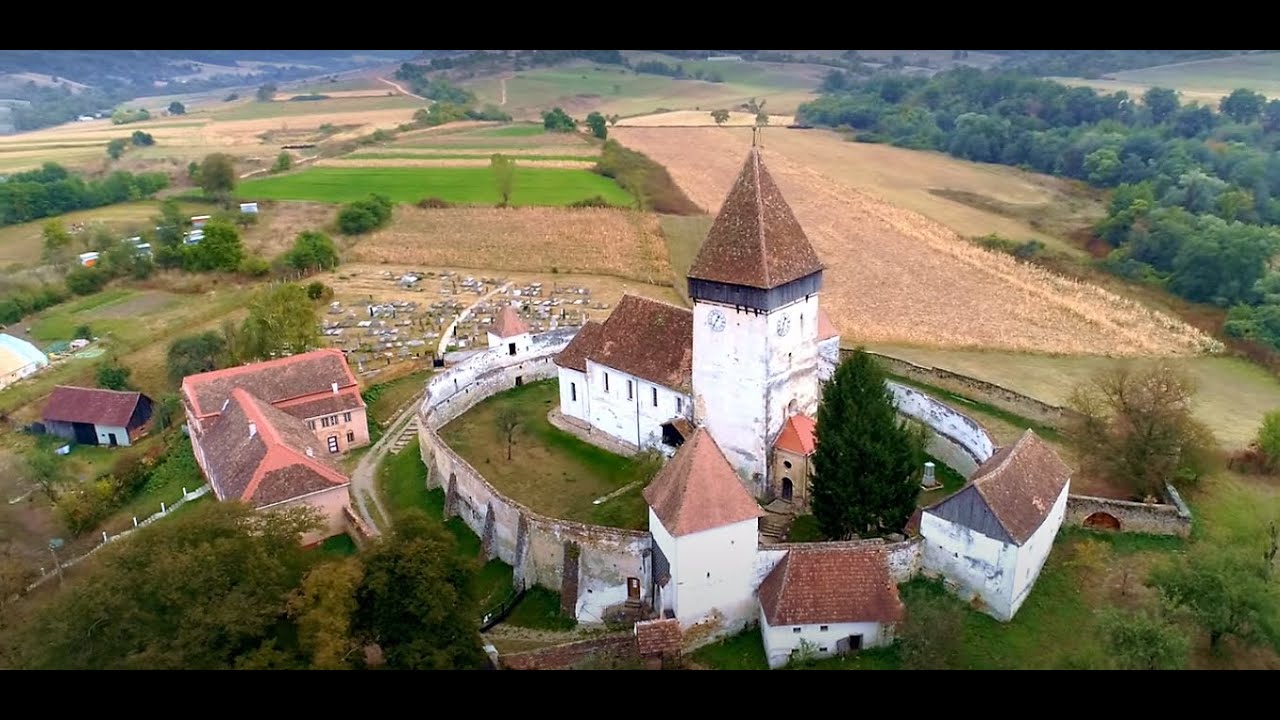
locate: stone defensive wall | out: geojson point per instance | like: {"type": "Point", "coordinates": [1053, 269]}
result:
{"type": "Point", "coordinates": [589, 565]}
{"type": "Point", "coordinates": [956, 439]}
{"type": "Point", "coordinates": [1171, 517]}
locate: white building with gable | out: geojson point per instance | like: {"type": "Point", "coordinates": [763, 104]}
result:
{"type": "Point", "coordinates": [992, 537]}
{"type": "Point", "coordinates": [509, 331]}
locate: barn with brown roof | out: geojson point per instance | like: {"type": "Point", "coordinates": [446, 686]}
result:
{"type": "Point", "coordinates": [993, 536]}
{"type": "Point", "coordinates": [835, 598]}
{"type": "Point", "coordinates": [93, 416]}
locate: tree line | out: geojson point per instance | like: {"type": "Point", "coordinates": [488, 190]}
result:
{"type": "Point", "coordinates": [53, 190]}
{"type": "Point", "coordinates": [1196, 189]}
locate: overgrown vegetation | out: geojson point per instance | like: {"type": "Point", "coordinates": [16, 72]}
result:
{"type": "Point", "coordinates": [364, 216]}
{"type": "Point", "coordinates": [646, 180]}
{"type": "Point", "coordinates": [52, 190]}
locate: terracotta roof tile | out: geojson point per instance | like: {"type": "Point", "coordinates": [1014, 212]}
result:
{"type": "Point", "coordinates": [826, 329]}
{"type": "Point", "coordinates": [345, 401]}
{"type": "Point", "coordinates": [831, 585]}
{"type": "Point", "coordinates": [697, 490]}
{"type": "Point", "coordinates": [649, 339]}
{"type": "Point", "coordinates": [1021, 483]}
{"type": "Point", "coordinates": [755, 241]}
{"type": "Point", "coordinates": [574, 355]}
{"type": "Point", "coordinates": [798, 435]}
{"type": "Point", "coordinates": [508, 323]}
{"type": "Point", "coordinates": [281, 459]}
{"type": "Point", "coordinates": [273, 381]}
{"type": "Point", "coordinates": [658, 637]}
{"type": "Point", "coordinates": [91, 405]}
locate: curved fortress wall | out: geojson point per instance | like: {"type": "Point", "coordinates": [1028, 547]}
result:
{"type": "Point", "coordinates": [589, 565]}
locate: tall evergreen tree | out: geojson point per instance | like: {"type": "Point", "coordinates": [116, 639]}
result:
{"type": "Point", "coordinates": [867, 460]}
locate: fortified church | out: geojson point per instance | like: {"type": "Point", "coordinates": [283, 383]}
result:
{"type": "Point", "coordinates": [729, 390]}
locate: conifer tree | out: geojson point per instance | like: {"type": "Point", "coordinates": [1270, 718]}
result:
{"type": "Point", "coordinates": [867, 460]}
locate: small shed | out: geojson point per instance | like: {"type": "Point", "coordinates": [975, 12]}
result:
{"type": "Point", "coordinates": [93, 416]}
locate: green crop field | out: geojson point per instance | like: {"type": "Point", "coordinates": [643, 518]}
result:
{"type": "Point", "coordinates": [518, 130]}
{"type": "Point", "coordinates": [460, 156]}
{"type": "Point", "coordinates": [533, 186]}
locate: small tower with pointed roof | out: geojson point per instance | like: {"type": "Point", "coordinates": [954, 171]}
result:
{"type": "Point", "coordinates": [754, 285]}
{"type": "Point", "coordinates": [510, 332]}
{"type": "Point", "coordinates": [705, 529]}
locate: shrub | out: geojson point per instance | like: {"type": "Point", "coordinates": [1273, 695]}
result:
{"type": "Point", "coordinates": [254, 266]}
{"type": "Point", "coordinates": [434, 203]}
{"type": "Point", "coordinates": [363, 216]}
{"type": "Point", "coordinates": [591, 202]}
{"type": "Point", "coordinates": [86, 281]}
{"type": "Point", "coordinates": [648, 181]}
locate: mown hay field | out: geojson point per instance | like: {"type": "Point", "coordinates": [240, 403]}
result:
{"type": "Point", "coordinates": [700, 118]}
{"type": "Point", "coordinates": [465, 185]}
{"type": "Point", "coordinates": [896, 276]}
{"type": "Point", "coordinates": [1206, 81]}
{"type": "Point", "coordinates": [591, 241]}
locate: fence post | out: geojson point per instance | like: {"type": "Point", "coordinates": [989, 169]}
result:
{"type": "Point", "coordinates": [104, 537]}
{"type": "Point", "coordinates": [135, 521]}
{"type": "Point", "coordinates": [162, 507]}
{"type": "Point", "coordinates": [184, 492]}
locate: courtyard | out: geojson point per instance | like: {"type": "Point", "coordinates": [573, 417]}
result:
{"type": "Point", "coordinates": [550, 471]}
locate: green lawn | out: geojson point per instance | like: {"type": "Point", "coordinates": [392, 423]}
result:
{"type": "Point", "coordinates": [684, 235]}
{"type": "Point", "coordinates": [551, 471]}
{"type": "Point", "coordinates": [464, 156]}
{"type": "Point", "coordinates": [402, 482]}
{"type": "Point", "coordinates": [391, 396]}
{"type": "Point", "coordinates": [338, 546]}
{"type": "Point", "coordinates": [744, 651]}
{"type": "Point", "coordinates": [540, 609]}
{"type": "Point", "coordinates": [475, 186]}
{"type": "Point", "coordinates": [517, 130]}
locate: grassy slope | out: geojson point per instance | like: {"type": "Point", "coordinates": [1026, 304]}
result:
{"type": "Point", "coordinates": [283, 109]}
{"type": "Point", "coordinates": [22, 243]}
{"type": "Point", "coordinates": [533, 186]}
{"type": "Point", "coordinates": [551, 471]}
{"type": "Point", "coordinates": [1208, 80]}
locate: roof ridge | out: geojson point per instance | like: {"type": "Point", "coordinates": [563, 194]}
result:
{"type": "Point", "coordinates": [764, 251]}
{"type": "Point", "coordinates": [978, 483]}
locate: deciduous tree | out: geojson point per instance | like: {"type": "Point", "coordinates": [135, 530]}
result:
{"type": "Point", "coordinates": [416, 599]}
{"type": "Point", "coordinates": [323, 608]}
{"type": "Point", "coordinates": [197, 591]}
{"type": "Point", "coordinates": [284, 161]}
{"type": "Point", "coordinates": [504, 174]}
{"type": "Point", "coordinates": [1139, 640]}
{"type": "Point", "coordinates": [508, 422]}
{"type": "Point", "coordinates": [599, 126]}
{"type": "Point", "coordinates": [1162, 103]}
{"type": "Point", "coordinates": [177, 108]}
{"type": "Point", "coordinates": [557, 120]}
{"type": "Point", "coordinates": [1243, 105]}
{"type": "Point", "coordinates": [116, 147]}
{"type": "Point", "coordinates": [221, 249]}
{"type": "Point", "coordinates": [1225, 591]}
{"type": "Point", "coordinates": [312, 250]}
{"type": "Point", "coordinates": [44, 470]}
{"type": "Point", "coordinates": [194, 354]}
{"type": "Point", "coordinates": [868, 460]}
{"type": "Point", "coordinates": [113, 376]}
{"type": "Point", "coordinates": [1138, 424]}
{"type": "Point", "coordinates": [281, 321]}
{"type": "Point", "coordinates": [720, 116]}
{"type": "Point", "coordinates": [56, 246]}
{"type": "Point", "coordinates": [218, 175]}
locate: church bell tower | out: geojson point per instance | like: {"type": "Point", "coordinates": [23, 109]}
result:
{"type": "Point", "coordinates": [754, 286]}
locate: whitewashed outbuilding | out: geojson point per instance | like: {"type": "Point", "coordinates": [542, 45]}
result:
{"type": "Point", "coordinates": [511, 332]}
{"type": "Point", "coordinates": [990, 539]}
{"type": "Point", "coordinates": [705, 529]}
{"type": "Point", "coordinates": [833, 599]}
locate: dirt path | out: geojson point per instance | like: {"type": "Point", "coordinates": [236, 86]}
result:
{"type": "Point", "coordinates": [363, 480]}
{"type": "Point", "coordinates": [448, 332]}
{"type": "Point", "coordinates": [401, 90]}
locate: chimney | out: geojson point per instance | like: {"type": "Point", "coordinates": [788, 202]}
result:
{"type": "Point", "coordinates": [253, 429]}
{"type": "Point", "coordinates": [335, 387]}
{"type": "Point", "coordinates": [928, 481]}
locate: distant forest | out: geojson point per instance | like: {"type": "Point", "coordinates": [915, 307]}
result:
{"type": "Point", "coordinates": [116, 76]}
{"type": "Point", "coordinates": [1196, 199]}
{"type": "Point", "coordinates": [1094, 63]}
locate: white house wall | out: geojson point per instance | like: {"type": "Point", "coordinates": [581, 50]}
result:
{"type": "Point", "coordinates": [977, 565]}
{"type": "Point", "coordinates": [523, 341]}
{"type": "Point", "coordinates": [746, 377]}
{"type": "Point", "coordinates": [1032, 555]}
{"type": "Point", "coordinates": [781, 640]}
{"type": "Point", "coordinates": [712, 572]}
{"type": "Point", "coordinates": [104, 435]}
{"type": "Point", "coordinates": [633, 420]}
{"type": "Point", "coordinates": [574, 394]}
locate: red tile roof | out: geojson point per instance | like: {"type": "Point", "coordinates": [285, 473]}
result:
{"type": "Point", "coordinates": [828, 585]}
{"type": "Point", "coordinates": [278, 460]}
{"type": "Point", "coordinates": [798, 435]}
{"type": "Point", "coordinates": [1015, 490]}
{"type": "Point", "coordinates": [649, 339]}
{"type": "Point", "coordinates": [94, 406]}
{"type": "Point", "coordinates": [508, 323]}
{"type": "Point", "coordinates": [274, 381]}
{"type": "Point", "coordinates": [658, 637]}
{"type": "Point", "coordinates": [826, 329]}
{"type": "Point", "coordinates": [698, 490]}
{"type": "Point", "coordinates": [574, 355]}
{"type": "Point", "coordinates": [755, 241]}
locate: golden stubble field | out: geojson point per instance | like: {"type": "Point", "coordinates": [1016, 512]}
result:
{"type": "Point", "coordinates": [896, 276]}
{"type": "Point", "coordinates": [591, 241]}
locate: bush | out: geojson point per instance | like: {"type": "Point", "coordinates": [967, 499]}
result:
{"type": "Point", "coordinates": [591, 202]}
{"type": "Point", "coordinates": [434, 203]}
{"type": "Point", "coordinates": [254, 266]}
{"type": "Point", "coordinates": [319, 291]}
{"type": "Point", "coordinates": [86, 281]}
{"type": "Point", "coordinates": [364, 216]}
{"type": "Point", "coordinates": [312, 251]}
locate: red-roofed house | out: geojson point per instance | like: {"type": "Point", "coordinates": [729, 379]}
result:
{"type": "Point", "coordinates": [705, 528]}
{"type": "Point", "coordinates": [836, 599]}
{"type": "Point", "coordinates": [269, 433]}
{"type": "Point", "coordinates": [509, 331]}
{"type": "Point", "coordinates": [93, 416]}
{"type": "Point", "coordinates": [792, 452]}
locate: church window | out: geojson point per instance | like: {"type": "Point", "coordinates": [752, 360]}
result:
{"type": "Point", "coordinates": [630, 390]}
{"type": "Point", "coordinates": [786, 464]}
{"type": "Point", "coordinates": [655, 397]}
{"type": "Point", "coordinates": [606, 382]}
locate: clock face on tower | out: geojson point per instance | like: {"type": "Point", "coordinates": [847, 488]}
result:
{"type": "Point", "coordinates": [715, 320]}
{"type": "Point", "coordinates": [784, 325]}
